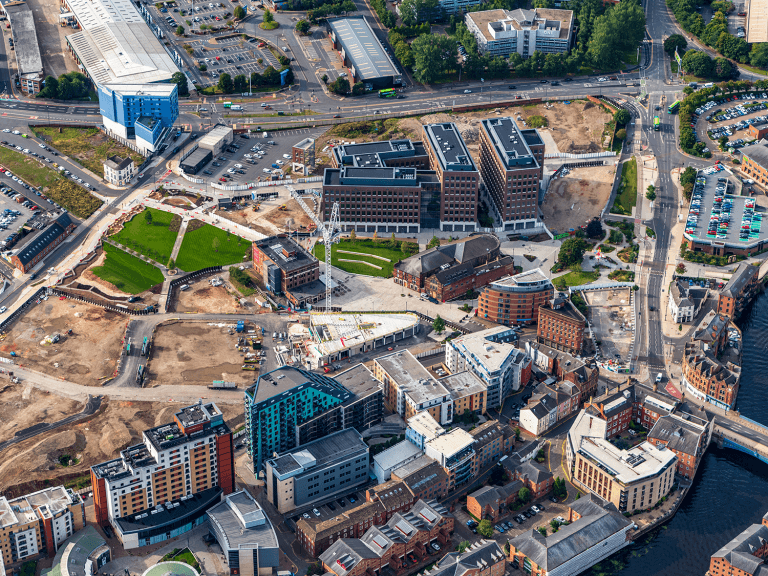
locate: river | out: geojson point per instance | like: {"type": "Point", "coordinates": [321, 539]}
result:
{"type": "Point", "coordinates": [730, 491]}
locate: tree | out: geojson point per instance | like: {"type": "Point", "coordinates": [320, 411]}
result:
{"type": "Point", "coordinates": [324, 78]}
{"type": "Point", "coordinates": [621, 134]}
{"type": "Point", "coordinates": [680, 268]}
{"type": "Point", "coordinates": [675, 41]}
{"type": "Point", "coordinates": [203, 67]}
{"type": "Point", "coordinates": [462, 546]}
{"type": "Point", "coordinates": [524, 495]}
{"type": "Point", "coordinates": [179, 30]}
{"type": "Point", "coordinates": [572, 252]}
{"type": "Point", "coordinates": [758, 56]}
{"type": "Point", "coordinates": [339, 86]}
{"type": "Point", "coordinates": [621, 117]}
{"type": "Point", "coordinates": [171, 264]}
{"type": "Point", "coordinates": [51, 88]}
{"type": "Point", "coordinates": [358, 89]}
{"type": "Point", "coordinates": [352, 234]}
{"type": "Point", "coordinates": [555, 524]}
{"type": "Point", "coordinates": [496, 477]}
{"type": "Point", "coordinates": [148, 217]}
{"type": "Point", "coordinates": [239, 12]}
{"type": "Point", "coordinates": [542, 530]}
{"type": "Point", "coordinates": [240, 83]}
{"type": "Point", "coordinates": [375, 235]}
{"type": "Point", "coordinates": [180, 79]}
{"type": "Point", "coordinates": [433, 56]}
{"type": "Point", "coordinates": [618, 31]}
{"type": "Point", "coordinates": [595, 229]}
{"type": "Point", "coordinates": [485, 528]}
{"type": "Point", "coordinates": [433, 243]}
{"type": "Point", "coordinates": [438, 325]}
{"type": "Point", "coordinates": [225, 83]}
{"type": "Point", "coordinates": [724, 69]}
{"type": "Point", "coordinates": [302, 27]}
{"type": "Point", "coordinates": [268, 17]}
{"type": "Point", "coordinates": [517, 434]}
{"type": "Point", "coordinates": [697, 63]}
{"type": "Point", "coordinates": [404, 53]}
{"type": "Point", "coordinates": [650, 193]}
{"type": "Point", "coordinates": [559, 488]}
{"type": "Point", "coordinates": [270, 76]}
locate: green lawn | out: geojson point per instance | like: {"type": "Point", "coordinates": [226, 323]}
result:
{"type": "Point", "coordinates": [380, 248]}
{"type": "Point", "coordinates": [87, 146]}
{"type": "Point", "coordinates": [153, 239]}
{"type": "Point", "coordinates": [27, 168]}
{"type": "Point", "coordinates": [626, 198]}
{"type": "Point", "coordinates": [197, 250]}
{"type": "Point", "coordinates": [128, 273]}
{"type": "Point", "coordinates": [575, 279]}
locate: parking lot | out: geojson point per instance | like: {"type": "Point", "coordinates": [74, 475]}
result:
{"type": "Point", "coordinates": [236, 168]}
{"type": "Point", "coordinates": [328, 510]}
{"type": "Point", "coordinates": [233, 55]}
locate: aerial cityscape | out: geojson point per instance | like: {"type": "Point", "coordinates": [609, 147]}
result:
{"type": "Point", "coordinates": [383, 288]}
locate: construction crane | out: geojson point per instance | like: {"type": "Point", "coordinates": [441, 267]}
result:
{"type": "Point", "coordinates": [331, 234]}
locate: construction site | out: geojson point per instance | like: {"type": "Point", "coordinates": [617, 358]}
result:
{"type": "Point", "coordinates": [72, 340]}
{"type": "Point", "coordinates": [66, 453]}
{"type": "Point", "coordinates": [269, 217]}
{"type": "Point", "coordinates": [200, 352]}
{"type": "Point", "coordinates": [611, 314]}
{"type": "Point", "coordinates": [577, 196]}
{"type": "Point", "coordinates": [213, 295]}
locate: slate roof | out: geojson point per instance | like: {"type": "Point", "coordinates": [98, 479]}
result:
{"type": "Point", "coordinates": [319, 529]}
{"type": "Point", "coordinates": [742, 276]}
{"type": "Point", "coordinates": [533, 471]}
{"type": "Point", "coordinates": [44, 238]}
{"type": "Point", "coordinates": [678, 434]}
{"type": "Point", "coordinates": [599, 521]}
{"type": "Point", "coordinates": [480, 555]}
{"type": "Point", "coordinates": [739, 551]}
{"type": "Point", "coordinates": [345, 554]}
{"type": "Point", "coordinates": [493, 495]}
{"type": "Point", "coordinates": [711, 327]}
{"type": "Point", "coordinates": [460, 251]}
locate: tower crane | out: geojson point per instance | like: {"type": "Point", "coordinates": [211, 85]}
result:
{"type": "Point", "coordinates": [331, 232]}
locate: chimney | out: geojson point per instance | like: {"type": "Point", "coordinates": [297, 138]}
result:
{"type": "Point", "coordinates": [590, 423]}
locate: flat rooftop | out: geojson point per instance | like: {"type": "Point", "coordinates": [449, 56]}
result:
{"type": "Point", "coordinates": [25, 40]}
{"type": "Point", "coordinates": [530, 281]}
{"type": "Point", "coordinates": [169, 514]}
{"type": "Point", "coordinates": [328, 330]}
{"type": "Point", "coordinates": [214, 136]}
{"type": "Point", "coordinates": [463, 384]}
{"type": "Point", "coordinates": [627, 466]}
{"type": "Point", "coordinates": [757, 21]}
{"type": "Point", "coordinates": [716, 216]}
{"type": "Point", "coordinates": [243, 523]}
{"type": "Point", "coordinates": [510, 145]}
{"type": "Point", "coordinates": [363, 49]}
{"type": "Point", "coordinates": [337, 447]}
{"type": "Point", "coordinates": [424, 424]}
{"type": "Point", "coordinates": [359, 380]}
{"type": "Point", "coordinates": [452, 442]}
{"type": "Point", "coordinates": [285, 253]}
{"type": "Point", "coordinates": [397, 454]}
{"type": "Point", "coordinates": [449, 147]}
{"type": "Point", "coordinates": [412, 378]}
{"type": "Point", "coordinates": [283, 382]}
{"type": "Point", "coordinates": [488, 346]}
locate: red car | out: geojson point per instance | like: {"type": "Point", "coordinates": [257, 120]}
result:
{"type": "Point", "coordinates": [222, 179]}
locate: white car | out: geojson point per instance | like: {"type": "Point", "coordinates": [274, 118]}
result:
{"type": "Point", "coordinates": [287, 156]}
{"type": "Point", "coordinates": [26, 150]}
{"type": "Point", "coordinates": [246, 155]}
{"type": "Point", "coordinates": [238, 165]}
{"type": "Point", "coordinates": [279, 162]}
{"type": "Point", "coordinates": [42, 146]}
{"type": "Point", "coordinates": [602, 79]}
{"type": "Point", "coordinates": [16, 132]}
{"type": "Point", "coordinates": [7, 130]}
{"type": "Point", "coordinates": [266, 170]}
{"type": "Point", "coordinates": [3, 309]}
{"type": "Point", "coordinates": [467, 91]}
{"type": "Point", "coordinates": [207, 60]}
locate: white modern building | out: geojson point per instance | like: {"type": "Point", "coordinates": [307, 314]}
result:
{"type": "Point", "coordinates": [504, 32]}
{"type": "Point", "coordinates": [393, 458]}
{"type": "Point", "coordinates": [422, 428]}
{"type": "Point", "coordinates": [119, 171]}
{"type": "Point", "coordinates": [454, 451]}
{"type": "Point", "coordinates": [492, 357]}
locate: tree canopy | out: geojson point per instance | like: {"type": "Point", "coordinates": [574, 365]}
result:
{"type": "Point", "coordinates": [434, 56]}
{"type": "Point", "coordinates": [572, 252]}
{"type": "Point", "coordinates": [675, 41]}
{"type": "Point", "coordinates": [239, 12]}
{"type": "Point", "coordinates": [180, 79]}
{"type": "Point", "coordinates": [621, 117]}
{"type": "Point", "coordinates": [413, 12]}
{"type": "Point", "coordinates": [225, 83]}
{"type": "Point", "coordinates": [302, 26]}
{"type": "Point", "coordinates": [70, 86]}
{"type": "Point", "coordinates": [618, 31]}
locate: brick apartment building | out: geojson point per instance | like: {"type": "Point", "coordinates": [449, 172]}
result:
{"type": "Point", "coordinates": [745, 555]}
{"type": "Point", "coordinates": [458, 176]}
{"type": "Point", "coordinates": [533, 476]}
{"type": "Point", "coordinates": [491, 502]}
{"type": "Point", "coordinates": [472, 252]}
{"type": "Point", "coordinates": [188, 463]}
{"type": "Point", "coordinates": [389, 544]}
{"type": "Point", "coordinates": [511, 162]}
{"type": "Point", "coordinates": [36, 524]}
{"type": "Point", "coordinates": [739, 291]}
{"type": "Point", "coordinates": [283, 266]}
{"type": "Point", "coordinates": [686, 435]}
{"type": "Point", "coordinates": [43, 242]}
{"type": "Point", "coordinates": [454, 282]}
{"type": "Point", "coordinates": [492, 441]}
{"type": "Point", "coordinates": [565, 367]}
{"type": "Point", "coordinates": [424, 477]}
{"type": "Point", "coordinates": [561, 326]}
{"type": "Point", "coordinates": [316, 536]}
{"type": "Point", "coordinates": [515, 300]}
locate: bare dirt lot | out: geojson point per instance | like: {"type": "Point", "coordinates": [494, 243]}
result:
{"type": "Point", "coordinates": [86, 356]}
{"type": "Point", "coordinates": [269, 219]}
{"type": "Point", "coordinates": [114, 427]}
{"type": "Point", "coordinates": [197, 353]}
{"type": "Point", "coordinates": [611, 315]}
{"type": "Point", "coordinates": [578, 197]}
{"type": "Point", "coordinates": [203, 298]}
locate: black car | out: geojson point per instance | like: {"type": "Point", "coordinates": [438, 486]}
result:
{"type": "Point", "coordinates": [568, 79]}
{"type": "Point", "coordinates": [542, 81]}
{"type": "Point", "coordinates": [240, 171]}
{"type": "Point", "coordinates": [207, 172]}
{"type": "Point", "coordinates": [216, 164]}
{"type": "Point", "coordinates": [245, 136]}
{"type": "Point", "coordinates": [512, 86]}
{"type": "Point", "coordinates": [555, 83]}
{"type": "Point", "coordinates": [341, 502]}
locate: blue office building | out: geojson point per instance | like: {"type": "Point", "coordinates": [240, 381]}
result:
{"type": "Point", "coordinates": [139, 111]}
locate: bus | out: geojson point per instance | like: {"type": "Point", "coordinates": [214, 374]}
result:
{"type": "Point", "coordinates": [673, 107]}
{"type": "Point", "coordinates": [227, 104]}
{"type": "Point", "coordinates": [656, 123]}
{"type": "Point", "coordinates": [387, 93]}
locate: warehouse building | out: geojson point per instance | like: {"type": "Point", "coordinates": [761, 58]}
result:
{"type": "Point", "coordinates": [217, 139]}
{"type": "Point", "coordinates": [362, 53]}
{"type": "Point", "coordinates": [196, 161]}
{"type": "Point", "coordinates": [28, 61]}
{"type": "Point", "coordinates": [42, 243]}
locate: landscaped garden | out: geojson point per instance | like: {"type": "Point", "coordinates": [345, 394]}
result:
{"type": "Point", "coordinates": [205, 245]}
{"type": "Point", "coordinates": [127, 273]}
{"type": "Point", "coordinates": [575, 279]}
{"type": "Point", "coordinates": [370, 257]}
{"type": "Point", "coordinates": [151, 233]}
{"type": "Point", "coordinates": [626, 197]}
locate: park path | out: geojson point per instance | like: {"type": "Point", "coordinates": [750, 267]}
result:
{"type": "Point", "coordinates": [179, 237]}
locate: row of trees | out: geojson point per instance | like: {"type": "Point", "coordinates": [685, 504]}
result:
{"type": "Point", "coordinates": [69, 86]}
{"type": "Point", "coordinates": [239, 84]}
{"type": "Point", "coordinates": [700, 63]}
{"type": "Point", "coordinates": [332, 9]}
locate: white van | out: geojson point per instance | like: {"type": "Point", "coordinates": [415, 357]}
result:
{"type": "Point", "coordinates": [658, 377]}
{"type": "Point", "coordinates": [184, 287]}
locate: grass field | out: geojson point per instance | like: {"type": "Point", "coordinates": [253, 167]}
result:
{"type": "Point", "coordinates": [88, 146]}
{"type": "Point", "coordinates": [575, 279]}
{"type": "Point", "coordinates": [380, 248]}
{"type": "Point", "coordinates": [626, 198]}
{"type": "Point", "coordinates": [197, 249]}
{"type": "Point", "coordinates": [74, 198]}
{"type": "Point", "coordinates": [153, 239]}
{"type": "Point", "coordinates": [126, 272]}
{"type": "Point", "coordinates": [28, 168]}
